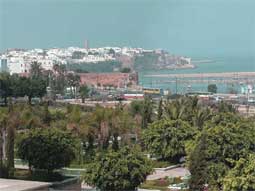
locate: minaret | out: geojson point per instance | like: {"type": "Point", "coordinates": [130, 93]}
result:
{"type": "Point", "coordinates": [86, 44]}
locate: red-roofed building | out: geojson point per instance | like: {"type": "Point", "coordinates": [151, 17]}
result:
{"type": "Point", "coordinates": [118, 80]}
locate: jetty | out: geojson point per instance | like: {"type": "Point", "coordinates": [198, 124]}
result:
{"type": "Point", "coordinates": [206, 75]}
{"type": "Point", "coordinates": [219, 78]}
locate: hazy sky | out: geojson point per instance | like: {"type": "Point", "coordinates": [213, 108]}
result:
{"type": "Point", "coordinates": [191, 27]}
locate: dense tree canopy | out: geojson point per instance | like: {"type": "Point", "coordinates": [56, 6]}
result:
{"type": "Point", "coordinates": [216, 142]}
{"type": "Point", "coordinates": [198, 165]}
{"type": "Point", "coordinates": [242, 176]}
{"type": "Point", "coordinates": [46, 149]}
{"type": "Point", "coordinates": [166, 138]}
{"type": "Point", "coordinates": [225, 144]}
{"type": "Point", "coordinates": [15, 86]}
{"type": "Point", "coordinates": [5, 86]}
{"type": "Point", "coordinates": [115, 171]}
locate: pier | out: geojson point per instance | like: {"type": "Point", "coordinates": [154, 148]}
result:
{"type": "Point", "coordinates": [219, 78]}
{"type": "Point", "coordinates": [206, 75]}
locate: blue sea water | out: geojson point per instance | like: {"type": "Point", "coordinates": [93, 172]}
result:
{"type": "Point", "coordinates": [220, 30]}
{"type": "Point", "coordinates": [218, 65]}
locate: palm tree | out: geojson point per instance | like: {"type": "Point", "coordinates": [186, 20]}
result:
{"type": "Point", "coordinates": [36, 70]}
{"type": "Point", "coordinates": [175, 109]}
{"type": "Point", "coordinates": [120, 124]}
{"type": "Point", "coordinates": [28, 120]}
{"type": "Point", "coordinates": [73, 82]}
{"type": "Point", "coordinates": [100, 120]}
{"type": "Point", "coordinates": [182, 108]}
{"type": "Point", "coordinates": [3, 122]}
{"type": "Point", "coordinates": [12, 124]}
{"type": "Point", "coordinates": [200, 117]}
{"type": "Point", "coordinates": [84, 92]}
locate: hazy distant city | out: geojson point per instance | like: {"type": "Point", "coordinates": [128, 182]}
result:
{"type": "Point", "coordinates": [19, 60]}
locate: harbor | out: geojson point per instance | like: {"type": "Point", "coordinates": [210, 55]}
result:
{"type": "Point", "coordinates": [207, 75]}
{"type": "Point", "coordinates": [186, 82]}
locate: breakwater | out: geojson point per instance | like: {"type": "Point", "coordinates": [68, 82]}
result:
{"type": "Point", "coordinates": [206, 75]}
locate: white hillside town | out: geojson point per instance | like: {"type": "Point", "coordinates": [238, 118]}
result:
{"type": "Point", "coordinates": [18, 61]}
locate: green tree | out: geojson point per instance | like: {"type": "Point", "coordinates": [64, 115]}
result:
{"type": "Point", "coordinates": [19, 85]}
{"type": "Point", "coordinates": [182, 108]}
{"type": "Point", "coordinates": [111, 51]}
{"type": "Point", "coordinates": [73, 82]}
{"type": "Point", "coordinates": [160, 109]}
{"type": "Point", "coordinates": [135, 110]}
{"type": "Point", "coordinates": [147, 112]}
{"type": "Point", "coordinates": [5, 87]}
{"type": "Point", "coordinates": [120, 124]}
{"type": "Point", "coordinates": [101, 121]}
{"type": "Point", "coordinates": [198, 165]}
{"type": "Point", "coordinates": [225, 144]}
{"type": "Point", "coordinates": [225, 107]}
{"type": "Point", "coordinates": [125, 70]}
{"type": "Point", "coordinates": [3, 124]}
{"type": "Point", "coordinates": [175, 109]}
{"type": "Point", "coordinates": [212, 88]}
{"type": "Point", "coordinates": [242, 176]}
{"type": "Point", "coordinates": [46, 149]}
{"type": "Point", "coordinates": [29, 118]}
{"type": "Point", "coordinates": [84, 92]}
{"type": "Point", "coordinates": [36, 88]}
{"type": "Point", "coordinates": [12, 124]}
{"type": "Point", "coordinates": [166, 139]}
{"type": "Point", "coordinates": [57, 80]}
{"type": "Point", "coordinates": [115, 171]}
{"type": "Point", "coordinates": [46, 117]}
{"type": "Point", "coordinates": [201, 117]}
{"type": "Point", "coordinates": [36, 70]}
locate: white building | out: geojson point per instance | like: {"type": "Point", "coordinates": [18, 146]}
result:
{"type": "Point", "coordinates": [46, 63]}
{"type": "Point", "coordinates": [3, 64]}
{"type": "Point", "coordinates": [18, 65]}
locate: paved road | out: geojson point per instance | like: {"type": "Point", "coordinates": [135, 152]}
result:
{"type": "Point", "coordinates": [176, 172]}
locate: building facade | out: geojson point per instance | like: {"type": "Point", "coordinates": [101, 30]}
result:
{"type": "Point", "coordinates": [3, 65]}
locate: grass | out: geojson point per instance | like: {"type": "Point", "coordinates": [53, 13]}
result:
{"type": "Point", "coordinates": [104, 66]}
{"type": "Point", "coordinates": [161, 164]}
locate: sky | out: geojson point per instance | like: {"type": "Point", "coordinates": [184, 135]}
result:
{"type": "Point", "coordinates": [190, 27]}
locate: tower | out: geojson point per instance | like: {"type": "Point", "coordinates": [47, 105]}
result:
{"type": "Point", "coordinates": [86, 44]}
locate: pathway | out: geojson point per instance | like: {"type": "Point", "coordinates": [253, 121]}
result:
{"type": "Point", "coordinates": [175, 172]}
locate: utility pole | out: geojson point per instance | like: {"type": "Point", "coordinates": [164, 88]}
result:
{"type": "Point", "coordinates": [176, 85]}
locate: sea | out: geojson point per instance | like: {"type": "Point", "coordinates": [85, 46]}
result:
{"type": "Point", "coordinates": [220, 31]}
{"type": "Point", "coordinates": [217, 65]}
